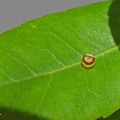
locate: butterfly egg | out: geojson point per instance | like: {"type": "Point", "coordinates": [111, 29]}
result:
{"type": "Point", "coordinates": [88, 60]}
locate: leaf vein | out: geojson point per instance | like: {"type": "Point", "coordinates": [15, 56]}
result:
{"type": "Point", "coordinates": [61, 68]}
{"type": "Point", "coordinates": [45, 91]}
{"type": "Point", "coordinates": [14, 57]}
{"type": "Point", "coordinates": [6, 74]}
{"type": "Point", "coordinates": [71, 47]}
{"type": "Point", "coordinates": [56, 59]}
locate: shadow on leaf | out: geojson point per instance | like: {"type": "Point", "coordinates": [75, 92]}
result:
{"type": "Point", "coordinates": [10, 114]}
{"type": "Point", "coordinates": [114, 116]}
{"type": "Point", "coordinates": [114, 21]}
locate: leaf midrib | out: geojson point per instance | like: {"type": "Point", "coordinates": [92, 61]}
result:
{"type": "Point", "coordinates": [61, 68]}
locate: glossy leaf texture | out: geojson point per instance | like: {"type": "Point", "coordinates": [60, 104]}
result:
{"type": "Point", "coordinates": [41, 76]}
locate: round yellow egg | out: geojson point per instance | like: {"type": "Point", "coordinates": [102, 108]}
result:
{"type": "Point", "coordinates": [88, 60]}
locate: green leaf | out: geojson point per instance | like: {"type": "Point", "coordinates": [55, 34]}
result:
{"type": "Point", "coordinates": [41, 76]}
{"type": "Point", "coordinates": [115, 116]}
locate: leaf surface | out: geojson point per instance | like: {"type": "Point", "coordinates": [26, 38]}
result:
{"type": "Point", "coordinates": [41, 76]}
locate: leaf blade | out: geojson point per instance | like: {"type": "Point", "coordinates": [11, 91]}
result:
{"type": "Point", "coordinates": [45, 58]}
